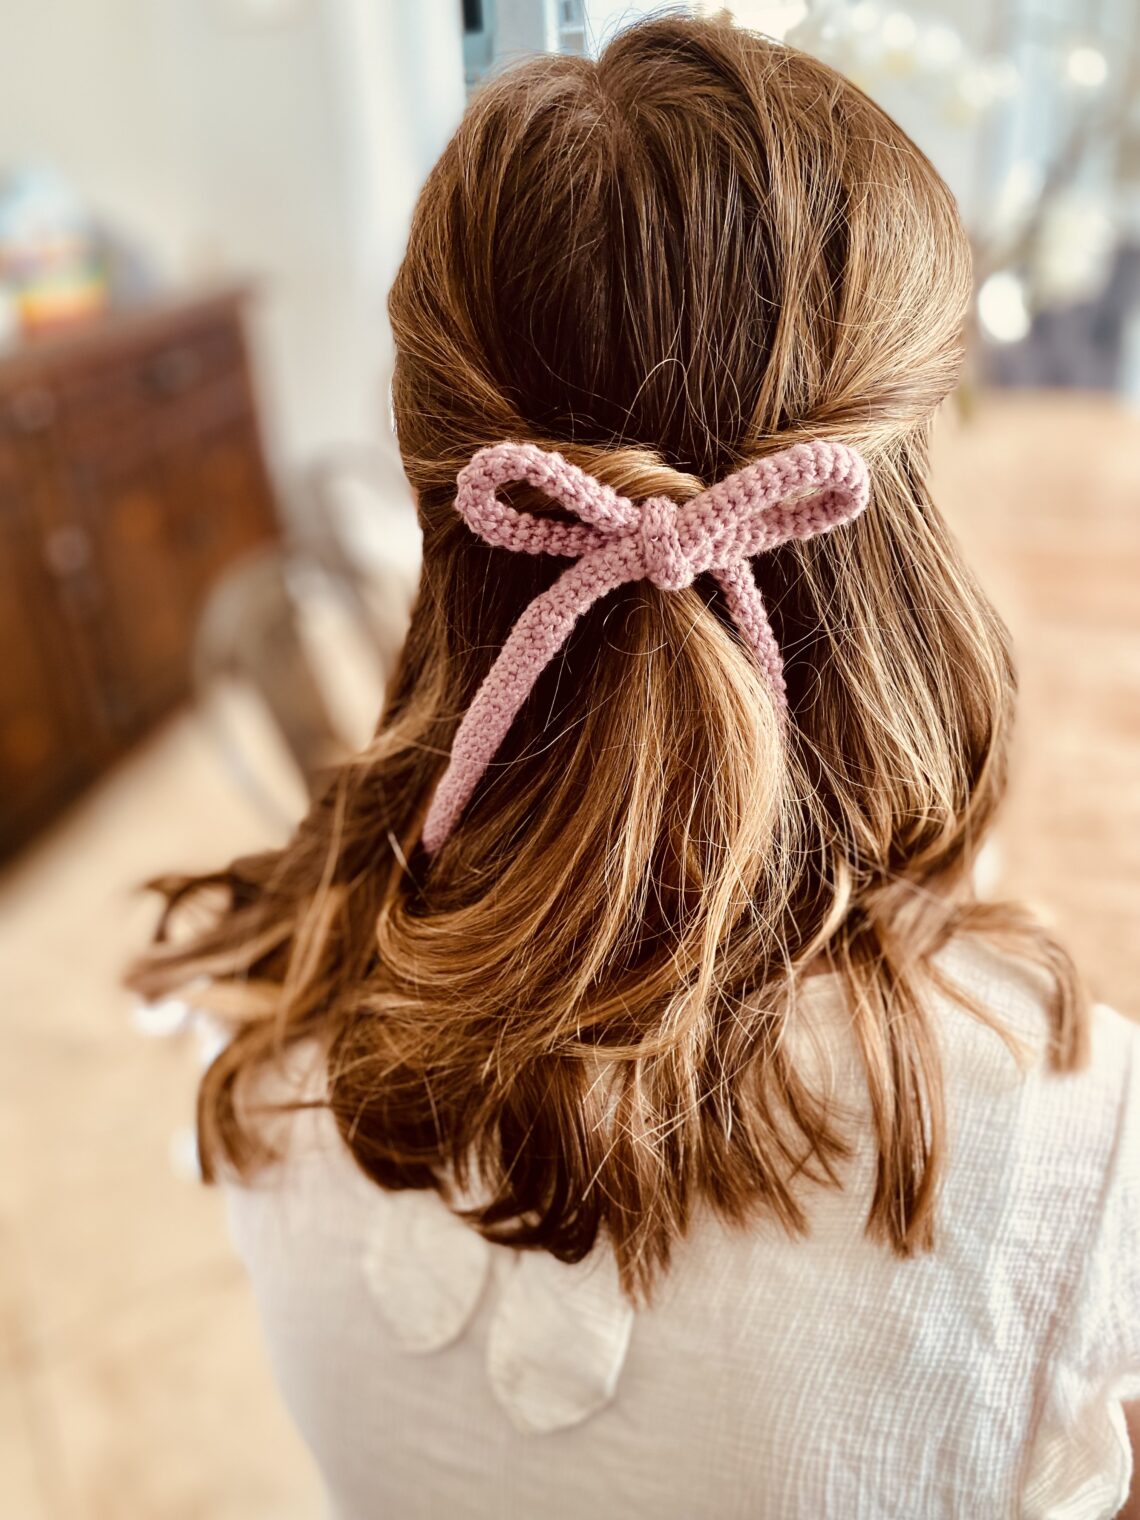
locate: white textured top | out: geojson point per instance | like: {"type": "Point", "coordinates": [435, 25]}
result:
{"type": "Point", "coordinates": [436, 1376]}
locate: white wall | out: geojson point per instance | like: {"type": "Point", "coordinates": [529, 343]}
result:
{"type": "Point", "coordinates": [289, 150]}
{"type": "Point", "coordinates": [79, 89]}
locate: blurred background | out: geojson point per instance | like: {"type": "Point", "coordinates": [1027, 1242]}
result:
{"type": "Point", "coordinates": [207, 553]}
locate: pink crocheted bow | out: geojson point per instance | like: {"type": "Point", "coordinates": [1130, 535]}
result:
{"type": "Point", "coordinates": [796, 494]}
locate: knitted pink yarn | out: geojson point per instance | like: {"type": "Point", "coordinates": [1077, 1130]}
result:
{"type": "Point", "coordinates": [807, 489]}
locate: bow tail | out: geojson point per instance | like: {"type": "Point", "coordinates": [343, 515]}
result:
{"type": "Point", "coordinates": [533, 642]}
{"type": "Point", "coordinates": [751, 616]}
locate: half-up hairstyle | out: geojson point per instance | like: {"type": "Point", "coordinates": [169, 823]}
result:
{"type": "Point", "coordinates": [664, 264]}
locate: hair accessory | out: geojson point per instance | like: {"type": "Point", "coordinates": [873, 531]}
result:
{"type": "Point", "coordinates": [804, 490]}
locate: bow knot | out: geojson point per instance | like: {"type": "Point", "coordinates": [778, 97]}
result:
{"type": "Point", "coordinates": [666, 563]}
{"type": "Point", "coordinates": [804, 490]}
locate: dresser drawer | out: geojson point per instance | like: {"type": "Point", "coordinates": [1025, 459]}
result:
{"type": "Point", "coordinates": [131, 475]}
{"type": "Point", "coordinates": [160, 386]}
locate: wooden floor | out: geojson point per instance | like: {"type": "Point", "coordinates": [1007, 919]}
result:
{"type": "Point", "coordinates": [1045, 492]}
{"type": "Point", "coordinates": [132, 1385]}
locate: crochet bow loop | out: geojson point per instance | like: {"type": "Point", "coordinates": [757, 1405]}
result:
{"type": "Point", "coordinates": [804, 490]}
{"type": "Point", "coordinates": [599, 508]}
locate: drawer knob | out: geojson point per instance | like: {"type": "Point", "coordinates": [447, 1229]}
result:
{"type": "Point", "coordinates": [174, 370]}
{"type": "Point", "coordinates": [32, 410]}
{"type": "Point", "coordinates": [67, 551]}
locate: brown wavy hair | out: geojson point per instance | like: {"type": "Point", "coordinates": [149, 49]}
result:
{"type": "Point", "coordinates": [664, 263]}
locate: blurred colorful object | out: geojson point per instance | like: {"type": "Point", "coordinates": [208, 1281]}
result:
{"type": "Point", "coordinates": [51, 268]}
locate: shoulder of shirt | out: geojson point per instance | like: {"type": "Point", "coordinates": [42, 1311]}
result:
{"type": "Point", "coordinates": [1074, 1116]}
{"type": "Point", "coordinates": [284, 1102]}
{"type": "Point", "coordinates": [1016, 993]}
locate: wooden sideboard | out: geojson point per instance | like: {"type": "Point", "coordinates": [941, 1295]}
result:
{"type": "Point", "coordinates": [131, 474]}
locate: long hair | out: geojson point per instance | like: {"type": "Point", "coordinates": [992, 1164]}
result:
{"type": "Point", "coordinates": [664, 263]}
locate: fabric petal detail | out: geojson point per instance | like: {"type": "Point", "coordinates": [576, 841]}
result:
{"type": "Point", "coordinates": [1080, 1472]}
{"type": "Point", "coordinates": [558, 1340]}
{"type": "Point", "coordinates": [425, 1269]}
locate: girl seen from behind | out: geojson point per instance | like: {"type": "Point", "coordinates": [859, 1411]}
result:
{"type": "Point", "coordinates": [628, 1106]}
